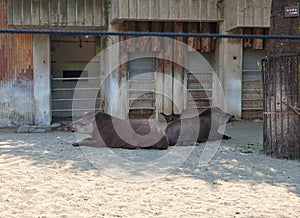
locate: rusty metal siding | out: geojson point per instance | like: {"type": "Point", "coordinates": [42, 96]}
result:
{"type": "Point", "coordinates": [16, 75]}
{"type": "Point", "coordinates": [80, 13]}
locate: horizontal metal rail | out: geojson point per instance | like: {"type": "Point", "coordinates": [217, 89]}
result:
{"type": "Point", "coordinates": [72, 89]}
{"type": "Point", "coordinates": [75, 99]}
{"type": "Point", "coordinates": [76, 78]}
{"type": "Point", "coordinates": [72, 109]}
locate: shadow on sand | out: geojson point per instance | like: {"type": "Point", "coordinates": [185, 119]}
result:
{"type": "Point", "coordinates": [238, 159]}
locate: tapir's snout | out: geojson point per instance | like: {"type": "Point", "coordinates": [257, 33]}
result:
{"type": "Point", "coordinates": [71, 127]}
{"type": "Point", "coordinates": [230, 118]}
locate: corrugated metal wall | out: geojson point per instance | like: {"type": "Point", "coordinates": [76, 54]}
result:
{"type": "Point", "coordinates": [16, 75]}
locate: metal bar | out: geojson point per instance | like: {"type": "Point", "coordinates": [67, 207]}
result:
{"type": "Point", "coordinates": [141, 80]}
{"type": "Point", "coordinates": [249, 71]}
{"type": "Point", "coordinates": [141, 90]}
{"type": "Point", "coordinates": [137, 99]}
{"type": "Point", "coordinates": [297, 64]}
{"type": "Point", "coordinates": [275, 105]}
{"type": "Point", "coordinates": [293, 97]}
{"type": "Point", "coordinates": [72, 89]}
{"type": "Point", "coordinates": [252, 109]}
{"type": "Point", "coordinates": [75, 99]}
{"type": "Point", "coordinates": [70, 110]}
{"type": "Point", "coordinates": [270, 104]}
{"type": "Point", "coordinates": [281, 86]}
{"type": "Point", "coordinates": [287, 99]}
{"type": "Point", "coordinates": [141, 108]}
{"type": "Point", "coordinates": [199, 90]}
{"type": "Point", "coordinates": [75, 78]}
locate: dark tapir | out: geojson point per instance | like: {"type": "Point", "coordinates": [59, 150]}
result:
{"type": "Point", "coordinates": [200, 128]}
{"type": "Point", "coordinates": [109, 131]}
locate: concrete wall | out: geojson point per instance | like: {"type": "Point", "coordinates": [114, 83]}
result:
{"type": "Point", "coordinates": [41, 74]}
{"type": "Point", "coordinates": [56, 13]}
{"type": "Point", "coordinates": [165, 10]}
{"type": "Point", "coordinates": [229, 56]}
{"type": "Point", "coordinates": [246, 13]}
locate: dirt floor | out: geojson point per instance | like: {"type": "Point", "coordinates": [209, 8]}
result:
{"type": "Point", "coordinates": [41, 175]}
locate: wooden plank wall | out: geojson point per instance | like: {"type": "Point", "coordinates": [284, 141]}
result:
{"type": "Point", "coordinates": [165, 10]}
{"type": "Point", "coordinates": [81, 13]}
{"type": "Point", "coordinates": [16, 75]}
{"type": "Point", "coordinates": [255, 43]}
{"type": "Point", "coordinates": [170, 77]}
{"type": "Point", "coordinates": [246, 13]}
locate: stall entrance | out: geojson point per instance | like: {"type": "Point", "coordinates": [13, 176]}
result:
{"type": "Point", "coordinates": [141, 99]}
{"type": "Point", "coordinates": [70, 56]}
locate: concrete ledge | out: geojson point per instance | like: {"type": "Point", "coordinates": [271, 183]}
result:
{"type": "Point", "coordinates": [37, 129]}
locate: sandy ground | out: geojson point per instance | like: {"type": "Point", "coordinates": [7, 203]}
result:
{"type": "Point", "coordinates": [41, 175]}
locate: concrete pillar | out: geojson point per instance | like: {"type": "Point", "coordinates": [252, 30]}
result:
{"type": "Point", "coordinates": [230, 73]}
{"type": "Point", "coordinates": [41, 75]}
{"type": "Point", "coordinates": [115, 87]}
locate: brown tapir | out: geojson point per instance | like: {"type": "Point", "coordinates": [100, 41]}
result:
{"type": "Point", "coordinates": [200, 128]}
{"type": "Point", "coordinates": [109, 131]}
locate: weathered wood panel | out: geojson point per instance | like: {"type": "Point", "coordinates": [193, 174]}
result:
{"type": "Point", "coordinates": [171, 59]}
{"type": "Point", "coordinates": [205, 41]}
{"type": "Point", "coordinates": [144, 42]}
{"type": "Point", "coordinates": [246, 13]}
{"type": "Point", "coordinates": [258, 43]}
{"type": "Point", "coordinates": [194, 9]}
{"type": "Point", "coordinates": [157, 47]}
{"type": "Point", "coordinates": [179, 54]}
{"type": "Point", "coordinates": [99, 13]}
{"type": "Point", "coordinates": [71, 10]}
{"type": "Point", "coordinates": [165, 10]}
{"type": "Point", "coordinates": [43, 11]}
{"type": "Point", "coordinates": [168, 81]}
{"type": "Point", "coordinates": [255, 43]}
{"type": "Point", "coordinates": [81, 13]}
{"type": "Point", "coordinates": [192, 41]}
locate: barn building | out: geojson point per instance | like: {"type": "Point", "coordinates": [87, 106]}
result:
{"type": "Point", "coordinates": [44, 77]}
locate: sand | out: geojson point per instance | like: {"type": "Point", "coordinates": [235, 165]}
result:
{"type": "Point", "coordinates": [41, 175]}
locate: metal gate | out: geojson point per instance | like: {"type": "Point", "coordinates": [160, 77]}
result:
{"type": "Point", "coordinates": [252, 91]}
{"type": "Point", "coordinates": [281, 88]}
{"type": "Point", "coordinates": [63, 85]}
{"type": "Point", "coordinates": [141, 99]}
{"type": "Point", "coordinates": [199, 82]}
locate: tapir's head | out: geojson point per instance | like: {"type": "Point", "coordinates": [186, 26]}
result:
{"type": "Point", "coordinates": [84, 125]}
{"type": "Point", "coordinates": [220, 117]}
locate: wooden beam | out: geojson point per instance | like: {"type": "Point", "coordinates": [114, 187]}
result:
{"type": "Point", "coordinates": [266, 41]}
{"type": "Point", "coordinates": [192, 41]}
{"type": "Point", "coordinates": [130, 26]}
{"type": "Point", "coordinates": [156, 27]}
{"type": "Point", "coordinates": [205, 42]}
{"type": "Point", "coordinates": [247, 41]}
{"type": "Point", "coordinates": [258, 43]}
{"type": "Point", "coordinates": [178, 53]}
{"type": "Point", "coordinates": [123, 56]}
{"type": "Point", "coordinates": [168, 82]}
{"type": "Point", "coordinates": [144, 42]}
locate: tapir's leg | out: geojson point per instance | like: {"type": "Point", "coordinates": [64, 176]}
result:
{"type": "Point", "coordinates": [89, 142]}
{"type": "Point", "coordinates": [185, 143]}
{"type": "Point", "coordinates": [226, 137]}
{"type": "Point", "coordinates": [217, 136]}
